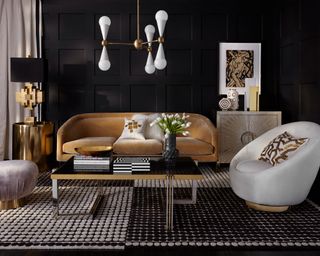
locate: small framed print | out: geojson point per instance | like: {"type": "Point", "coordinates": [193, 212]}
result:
{"type": "Point", "coordinates": [239, 66]}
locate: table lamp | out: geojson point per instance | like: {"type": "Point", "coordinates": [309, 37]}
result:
{"type": "Point", "coordinates": [28, 71]}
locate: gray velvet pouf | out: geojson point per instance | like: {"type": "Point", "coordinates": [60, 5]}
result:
{"type": "Point", "coordinates": [17, 180]}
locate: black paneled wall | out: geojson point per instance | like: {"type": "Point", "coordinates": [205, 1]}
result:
{"type": "Point", "coordinates": [299, 70]}
{"type": "Point", "coordinates": [189, 83]}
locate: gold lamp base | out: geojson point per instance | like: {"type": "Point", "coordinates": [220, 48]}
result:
{"type": "Point", "coordinates": [13, 204]}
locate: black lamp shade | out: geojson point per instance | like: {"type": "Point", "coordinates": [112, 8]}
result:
{"type": "Point", "coordinates": [27, 69]}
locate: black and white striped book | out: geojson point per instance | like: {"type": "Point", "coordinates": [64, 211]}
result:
{"type": "Point", "coordinates": [132, 163]}
{"type": "Point", "coordinates": [122, 172]}
{"type": "Point", "coordinates": [90, 167]}
{"type": "Point", "coordinates": [136, 160]}
{"type": "Point", "coordinates": [91, 158]}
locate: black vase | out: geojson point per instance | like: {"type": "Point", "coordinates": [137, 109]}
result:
{"type": "Point", "coordinates": [170, 152]}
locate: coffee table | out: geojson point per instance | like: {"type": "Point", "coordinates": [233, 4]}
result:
{"type": "Point", "coordinates": [184, 168]}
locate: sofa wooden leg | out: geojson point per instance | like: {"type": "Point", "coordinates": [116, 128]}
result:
{"type": "Point", "coordinates": [267, 208]}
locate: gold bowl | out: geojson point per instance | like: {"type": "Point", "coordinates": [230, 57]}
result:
{"type": "Point", "coordinates": [94, 150]}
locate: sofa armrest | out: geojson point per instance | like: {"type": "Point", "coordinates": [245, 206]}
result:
{"type": "Point", "coordinates": [203, 129]}
{"type": "Point", "coordinates": [67, 132]}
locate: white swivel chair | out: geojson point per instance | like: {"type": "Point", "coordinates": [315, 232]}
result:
{"type": "Point", "coordinates": [274, 188]}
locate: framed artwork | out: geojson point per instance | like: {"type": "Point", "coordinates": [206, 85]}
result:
{"type": "Point", "coordinates": [239, 66]}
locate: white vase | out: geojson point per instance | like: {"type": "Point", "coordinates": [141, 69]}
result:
{"type": "Point", "coordinates": [233, 96]}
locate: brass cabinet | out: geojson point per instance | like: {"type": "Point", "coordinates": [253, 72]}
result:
{"type": "Point", "coordinates": [238, 128]}
{"type": "Point", "coordinates": [33, 142]}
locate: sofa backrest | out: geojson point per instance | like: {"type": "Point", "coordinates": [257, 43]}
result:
{"type": "Point", "coordinates": [111, 124]}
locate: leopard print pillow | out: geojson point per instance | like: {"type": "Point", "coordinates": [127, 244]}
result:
{"type": "Point", "coordinates": [280, 148]}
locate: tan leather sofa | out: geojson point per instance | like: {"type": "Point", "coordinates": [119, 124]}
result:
{"type": "Point", "coordinates": [105, 128]}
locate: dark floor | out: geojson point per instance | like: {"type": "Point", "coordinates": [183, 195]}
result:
{"type": "Point", "coordinates": [162, 252]}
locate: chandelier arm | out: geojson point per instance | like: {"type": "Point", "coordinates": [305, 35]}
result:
{"type": "Point", "coordinates": [119, 43]}
{"type": "Point", "coordinates": [153, 41]}
{"type": "Point", "coordinates": [138, 19]}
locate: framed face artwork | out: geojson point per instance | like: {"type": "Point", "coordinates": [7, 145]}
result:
{"type": "Point", "coordinates": [239, 66]}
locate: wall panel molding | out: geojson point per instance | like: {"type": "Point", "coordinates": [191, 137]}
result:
{"type": "Point", "coordinates": [72, 41]}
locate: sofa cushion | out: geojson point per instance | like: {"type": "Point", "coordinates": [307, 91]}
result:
{"type": "Point", "coordinates": [137, 147]}
{"type": "Point", "coordinates": [253, 166]}
{"type": "Point", "coordinates": [70, 146]}
{"type": "Point", "coordinates": [192, 146]}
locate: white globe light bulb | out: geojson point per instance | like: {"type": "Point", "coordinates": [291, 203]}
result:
{"type": "Point", "coordinates": [149, 29]}
{"type": "Point", "coordinates": [162, 15]}
{"type": "Point", "coordinates": [160, 61]}
{"type": "Point", "coordinates": [104, 20]}
{"type": "Point", "coordinates": [104, 65]}
{"type": "Point", "coordinates": [104, 23]}
{"type": "Point", "coordinates": [149, 67]}
{"type": "Point", "coordinates": [161, 18]}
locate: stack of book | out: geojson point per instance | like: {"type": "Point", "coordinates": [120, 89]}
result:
{"type": "Point", "coordinates": [127, 165]}
{"type": "Point", "coordinates": [81, 162]}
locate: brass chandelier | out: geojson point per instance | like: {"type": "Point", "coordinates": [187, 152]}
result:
{"type": "Point", "coordinates": [150, 67]}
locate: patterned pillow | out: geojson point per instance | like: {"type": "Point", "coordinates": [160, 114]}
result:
{"type": "Point", "coordinates": [133, 129]}
{"type": "Point", "coordinates": [280, 148]}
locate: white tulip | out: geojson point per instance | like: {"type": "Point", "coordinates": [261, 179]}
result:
{"type": "Point", "coordinates": [153, 123]}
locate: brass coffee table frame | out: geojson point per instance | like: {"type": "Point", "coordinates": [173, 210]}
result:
{"type": "Point", "coordinates": [168, 177]}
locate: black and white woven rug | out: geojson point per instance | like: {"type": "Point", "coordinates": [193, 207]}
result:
{"type": "Point", "coordinates": [132, 215]}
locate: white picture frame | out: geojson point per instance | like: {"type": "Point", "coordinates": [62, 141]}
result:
{"type": "Point", "coordinates": [236, 61]}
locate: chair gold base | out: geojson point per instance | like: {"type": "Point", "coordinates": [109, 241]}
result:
{"type": "Point", "coordinates": [13, 204]}
{"type": "Point", "coordinates": [267, 208]}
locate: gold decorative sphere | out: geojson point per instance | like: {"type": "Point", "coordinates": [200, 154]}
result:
{"type": "Point", "coordinates": [138, 44]}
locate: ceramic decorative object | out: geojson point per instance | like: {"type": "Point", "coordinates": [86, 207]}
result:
{"type": "Point", "coordinates": [225, 103]}
{"type": "Point", "coordinates": [233, 96]}
{"type": "Point", "coordinates": [170, 152]}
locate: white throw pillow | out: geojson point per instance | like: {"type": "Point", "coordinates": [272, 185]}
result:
{"type": "Point", "coordinates": [151, 132]}
{"type": "Point", "coordinates": [133, 129]}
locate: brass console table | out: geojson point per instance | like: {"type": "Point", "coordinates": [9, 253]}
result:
{"type": "Point", "coordinates": [33, 141]}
